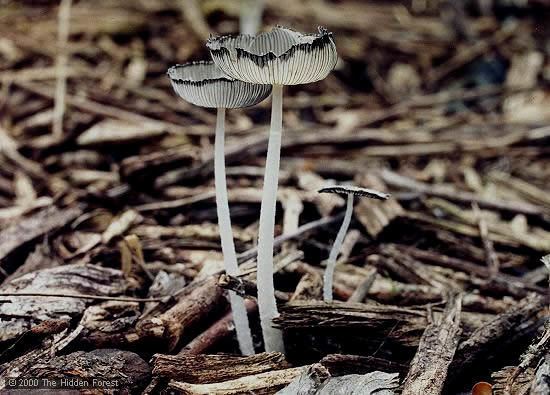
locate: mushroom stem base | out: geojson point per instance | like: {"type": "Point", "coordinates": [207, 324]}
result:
{"type": "Point", "coordinates": [267, 306]}
{"type": "Point", "coordinates": [240, 318]}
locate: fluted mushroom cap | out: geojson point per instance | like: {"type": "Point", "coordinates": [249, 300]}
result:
{"type": "Point", "coordinates": [205, 85]}
{"type": "Point", "coordinates": [356, 191]}
{"type": "Point", "coordinates": [279, 57]}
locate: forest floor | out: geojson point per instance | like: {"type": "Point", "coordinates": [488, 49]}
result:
{"type": "Point", "coordinates": [110, 259]}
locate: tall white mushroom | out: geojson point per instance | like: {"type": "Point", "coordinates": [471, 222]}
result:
{"type": "Point", "coordinates": [205, 85]}
{"type": "Point", "coordinates": [280, 57]}
{"type": "Point", "coordinates": [350, 191]}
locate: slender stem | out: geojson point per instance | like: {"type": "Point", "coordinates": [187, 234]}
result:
{"type": "Point", "coordinates": [240, 318]}
{"type": "Point", "coordinates": [61, 67]}
{"type": "Point", "coordinates": [251, 16]}
{"type": "Point", "coordinates": [331, 263]}
{"type": "Point", "coordinates": [267, 306]}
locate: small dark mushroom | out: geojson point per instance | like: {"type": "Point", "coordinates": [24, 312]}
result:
{"type": "Point", "coordinates": [350, 191]}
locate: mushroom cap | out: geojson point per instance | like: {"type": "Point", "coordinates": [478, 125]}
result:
{"type": "Point", "coordinates": [205, 85]}
{"type": "Point", "coordinates": [357, 191]}
{"type": "Point", "coordinates": [279, 57]}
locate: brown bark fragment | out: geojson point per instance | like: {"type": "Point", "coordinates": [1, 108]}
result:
{"type": "Point", "coordinates": [34, 226]}
{"type": "Point", "coordinates": [435, 352]}
{"type": "Point", "coordinates": [201, 369]}
{"type": "Point", "coordinates": [375, 215]}
{"type": "Point", "coordinates": [487, 338]}
{"type": "Point", "coordinates": [263, 383]}
{"type": "Point", "coordinates": [218, 331]}
{"type": "Point", "coordinates": [342, 364]}
{"type": "Point", "coordinates": [188, 311]}
{"type": "Point", "coordinates": [131, 371]}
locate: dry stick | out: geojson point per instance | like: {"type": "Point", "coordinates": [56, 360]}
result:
{"type": "Point", "coordinates": [215, 333]}
{"type": "Point", "coordinates": [342, 364]}
{"type": "Point", "coordinates": [84, 296]}
{"type": "Point", "coordinates": [537, 350]}
{"type": "Point", "coordinates": [262, 383]}
{"type": "Point", "coordinates": [489, 337]}
{"type": "Point", "coordinates": [348, 244]}
{"type": "Point", "coordinates": [467, 267]}
{"type": "Point", "coordinates": [61, 67]}
{"type": "Point", "coordinates": [8, 147]}
{"type": "Point", "coordinates": [188, 311]}
{"type": "Point", "coordinates": [435, 352]}
{"type": "Point", "coordinates": [310, 287]}
{"type": "Point", "coordinates": [438, 99]}
{"type": "Point", "coordinates": [472, 52]}
{"type": "Point", "coordinates": [492, 259]}
{"type": "Point", "coordinates": [396, 180]}
{"type": "Point", "coordinates": [194, 18]}
{"type": "Point", "coordinates": [199, 369]}
{"type": "Point", "coordinates": [362, 290]}
{"type": "Point", "coordinates": [96, 108]}
{"type": "Point", "coordinates": [45, 221]}
{"type": "Point", "coordinates": [540, 384]}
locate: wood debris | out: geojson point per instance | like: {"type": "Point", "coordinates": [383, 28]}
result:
{"type": "Point", "coordinates": [109, 243]}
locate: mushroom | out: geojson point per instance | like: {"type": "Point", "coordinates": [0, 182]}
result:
{"type": "Point", "coordinates": [205, 85]}
{"type": "Point", "coordinates": [350, 191]}
{"type": "Point", "coordinates": [280, 57]}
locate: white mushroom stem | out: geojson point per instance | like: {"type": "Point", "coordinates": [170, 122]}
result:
{"type": "Point", "coordinates": [240, 317]}
{"type": "Point", "coordinates": [267, 306]}
{"type": "Point", "coordinates": [337, 246]}
{"type": "Point", "coordinates": [251, 16]}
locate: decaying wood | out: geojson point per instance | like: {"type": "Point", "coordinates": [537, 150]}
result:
{"type": "Point", "coordinates": [512, 285]}
{"type": "Point", "coordinates": [30, 228]}
{"type": "Point", "coordinates": [363, 287]}
{"type": "Point", "coordinates": [342, 364]}
{"type": "Point", "coordinates": [221, 329]}
{"type": "Point", "coordinates": [435, 352]}
{"type": "Point", "coordinates": [372, 382]}
{"type": "Point", "coordinates": [171, 325]}
{"type": "Point", "coordinates": [110, 324]}
{"type": "Point", "coordinates": [491, 335]}
{"type": "Point", "coordinates": [504, 385]}
{"type": "Point", "coordinates": [40, 258]}
{"type": "Point", "coordinates": [397, 180]}
{"type": "Point", "coordinates": [310, 287]}
{"type": "Point", "coordinates": [541, 383]}
{"type": "Point", "coordinates": [537, 350]}
{"type": "Point", "coordinates": [19, 312]}
{"type": "Point", "coordinates": [131, 371]}
{"type": "Point", "coordinates": [202, 369]}
{"type": "Point", "coordinates": [375, 215]}
{"type": "Point", "coordinates": [403, 326]}
{"type": "Point", "coordinates": [532, 371]}
{"type": "Point", "coordinates": [33, 338]}
{"type": "Point", "coordinates": [263, 383]}
{"type": "Point", "coordinates": [309, 382]}
{"type": "Point", "coordinates": [317, 380]}
{"type": "Point", "coordinates": [41, 354]}
{"type": "Point", "coordinates": [108, 227]}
